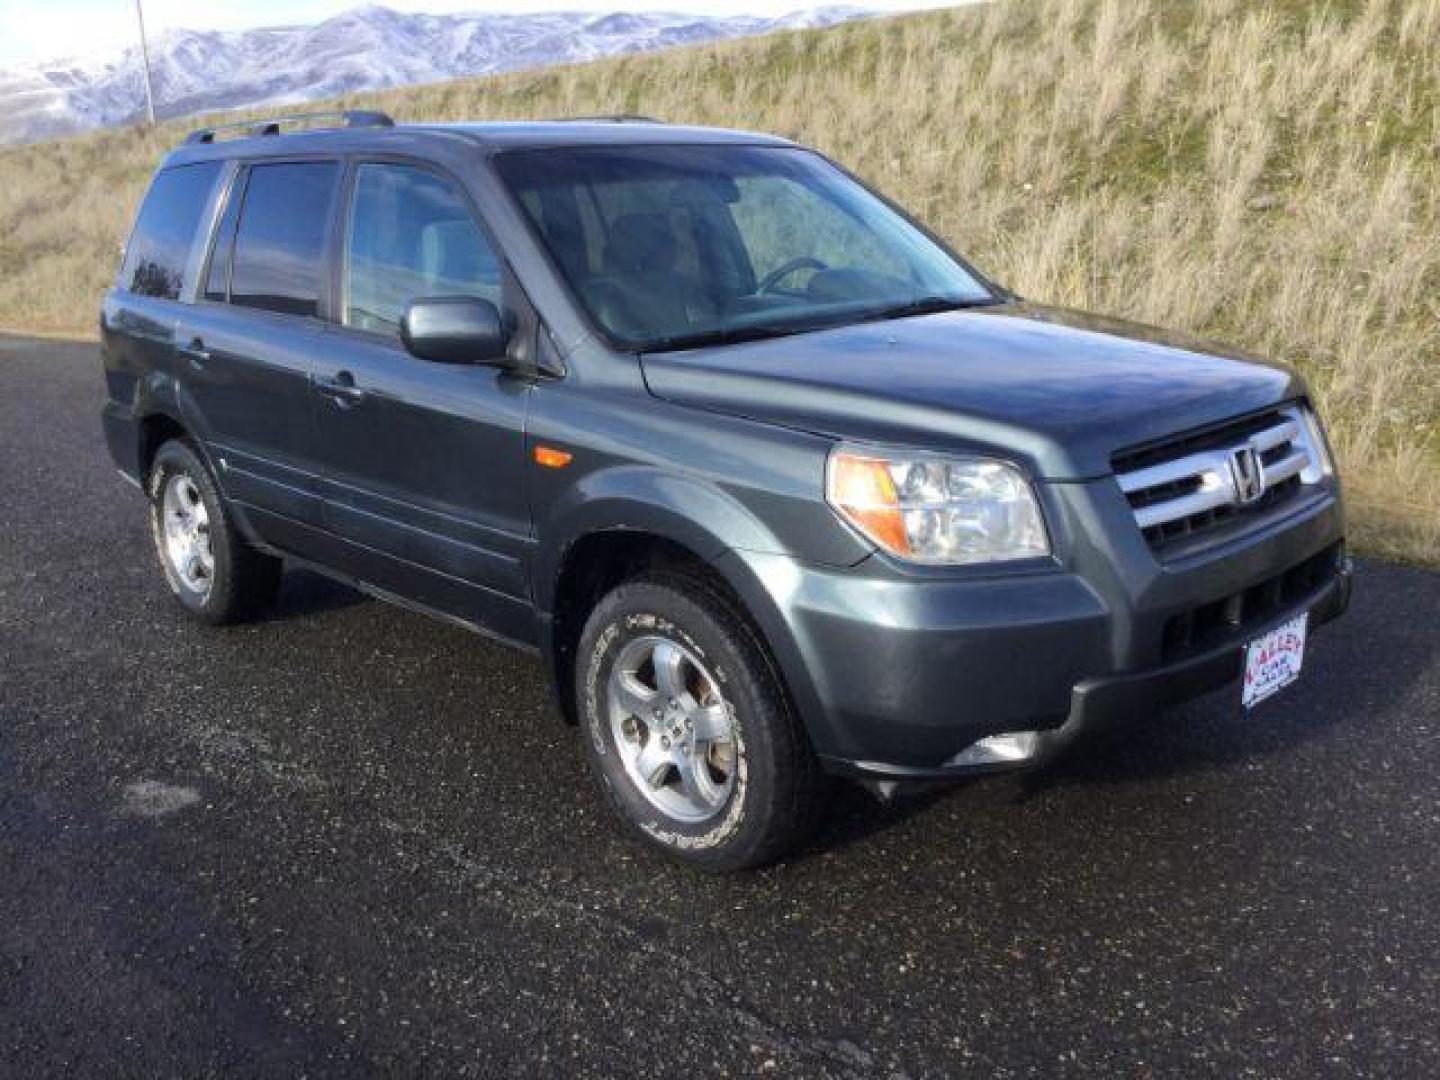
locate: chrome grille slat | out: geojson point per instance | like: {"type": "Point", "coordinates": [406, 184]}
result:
{"type": "Point", "coordinates": [1207, 498]}
{"type": "Point", "coordinates": [1276, 436]}
{"type": "Point", "coordinates": [1286, 467]}
{"type": "Point", "coordinates": [1168, 472]}
{"type": "Point", "coordinates": [1198, 489]}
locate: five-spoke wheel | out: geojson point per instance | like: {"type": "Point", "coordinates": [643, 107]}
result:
{"type": "Point", "coordinates": [672, 728]}
{"type": "Point", "coordinates": [186, 525]}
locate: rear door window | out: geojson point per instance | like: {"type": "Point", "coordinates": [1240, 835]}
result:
{"type": "Point", "coordinates": [158, 255]}
{"type": "Point", "coordinates": [411, 235]}
{"type": "Point", "coordinates": [280, 242]}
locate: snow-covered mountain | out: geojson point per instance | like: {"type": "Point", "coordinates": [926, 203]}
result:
{"type": "Point", "coordinates": [367, 48]}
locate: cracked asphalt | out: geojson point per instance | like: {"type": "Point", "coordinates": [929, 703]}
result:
{"type": "Point", "coordinates": [352, 841]}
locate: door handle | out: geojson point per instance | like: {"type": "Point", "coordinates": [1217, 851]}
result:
{"type": "Point", "coordinates": [196, 353]}
{"type": "Point", "coordinates": [341, 389]}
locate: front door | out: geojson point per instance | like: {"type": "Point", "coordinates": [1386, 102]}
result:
{"type": "Point", "coordinates": [421, 463]}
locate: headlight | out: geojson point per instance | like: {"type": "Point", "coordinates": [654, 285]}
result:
{"type": "Point", "coordinates": [1321, 464]}
{"type": "Point", "coordinates": [931, 509]}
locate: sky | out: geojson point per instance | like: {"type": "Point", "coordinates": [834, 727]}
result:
{"type": "Point", "coordinates": [45, 29]}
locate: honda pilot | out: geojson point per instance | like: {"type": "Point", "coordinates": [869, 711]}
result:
{"type": "Point", "coordinates": [778, 486]}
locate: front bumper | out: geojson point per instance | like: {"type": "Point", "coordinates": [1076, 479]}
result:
{"type": "Point", "coordinates": [897, 671]}
{"type": "Point", "coordinates": [1100, 702]}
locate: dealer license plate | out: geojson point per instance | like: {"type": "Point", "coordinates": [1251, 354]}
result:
{"type": "Point", "coordinates": [1272, 662]}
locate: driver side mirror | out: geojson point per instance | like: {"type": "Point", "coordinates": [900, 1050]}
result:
{"type": "Point", "coordinates": [454, 330]}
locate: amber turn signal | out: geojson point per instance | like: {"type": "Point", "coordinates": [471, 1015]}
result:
{"type": "Point", "coordinates": [863, 490]}
{"type": "Point", "coordinates": [552, 458]}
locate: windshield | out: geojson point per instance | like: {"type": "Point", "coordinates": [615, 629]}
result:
{"type": "Point", "coordinates": [677, 246]}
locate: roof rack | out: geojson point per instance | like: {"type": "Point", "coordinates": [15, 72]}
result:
{"type": "Point", "coordinates": [351, 118]}
{"type": "Point", "coordinates": [610, 118]}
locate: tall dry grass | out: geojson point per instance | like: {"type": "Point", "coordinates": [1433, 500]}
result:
{"type": "Point", "coordinates": [1263, 172]}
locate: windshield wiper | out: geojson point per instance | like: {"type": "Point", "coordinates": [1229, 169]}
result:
{"type": "Point", "coordinates": [731, 335]}
{"type": "Point", "coordinates": [727, 336]}
{"type": "Point", "coordinates": [927, 305]}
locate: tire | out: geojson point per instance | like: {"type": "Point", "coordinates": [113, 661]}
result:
{"type": "Point", "coordinates": [213, 572]}
{"type": "Point", "coordinates": [724, 780]}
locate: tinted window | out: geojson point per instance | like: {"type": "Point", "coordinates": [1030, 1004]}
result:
{"type": "Point", "coordinates": [159, 250]}
{"type": "Point", "coordinates": [217, 278]}
{"type": "Point", "coordinates": [280, 243]}
{"type": "Point", "coordinates": [782, 219]}
{"type": "Point", "coordinates": [670, 247]}
{"type": "Point", "coordinates": [411, 235]}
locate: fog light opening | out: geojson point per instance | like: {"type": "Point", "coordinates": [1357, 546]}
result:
{"type": "Point", "coordinates": [1010, 746]}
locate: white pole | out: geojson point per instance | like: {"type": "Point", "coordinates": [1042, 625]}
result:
{"type": "Point", "coordinates": [145, 59]}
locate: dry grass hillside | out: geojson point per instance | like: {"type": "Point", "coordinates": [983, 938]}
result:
{"type": "Point", "coordinates": [1263, 172]}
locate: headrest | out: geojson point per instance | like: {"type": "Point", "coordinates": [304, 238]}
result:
{"type": "Point", "coordinates": [450, 252]}
{"type": "Point", "coordinates": [640, 242]}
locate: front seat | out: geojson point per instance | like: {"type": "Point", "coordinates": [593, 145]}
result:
{"type": "Point", "coordinates": [641, 293]}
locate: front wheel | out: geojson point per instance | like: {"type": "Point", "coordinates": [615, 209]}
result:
{"type": "Point", "coordinates": [688, 729]}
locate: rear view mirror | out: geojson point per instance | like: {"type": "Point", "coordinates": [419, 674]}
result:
{"type": "Point", "coordinates": [454, 330]}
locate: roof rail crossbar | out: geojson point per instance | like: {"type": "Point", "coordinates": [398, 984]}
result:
{"type": "Point", "coordinates": [350, 118]}
{"type": "Point", "coordinates": [611, 118]}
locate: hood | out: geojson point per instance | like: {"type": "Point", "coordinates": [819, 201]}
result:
{"type": "Point", "coordinates": [1059, 390]}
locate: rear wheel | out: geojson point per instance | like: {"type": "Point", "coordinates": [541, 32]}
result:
{"type": "Point", "coordinates": [688, 729]}
{"type": "Point", "coordinates": [210, 568]}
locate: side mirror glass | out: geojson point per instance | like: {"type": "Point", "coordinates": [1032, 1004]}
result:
{"type": "Point", "coordinates": [454, 330]}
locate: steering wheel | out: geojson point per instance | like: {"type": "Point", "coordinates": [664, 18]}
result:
{"type": "Point", "coordinates": [780, 273]}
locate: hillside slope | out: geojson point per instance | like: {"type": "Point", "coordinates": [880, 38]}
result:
{"type": "Point", "coordinates": [1263, 172]}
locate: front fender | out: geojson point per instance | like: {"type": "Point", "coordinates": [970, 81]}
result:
{"type": "Point", "coordinates": [687, 510]}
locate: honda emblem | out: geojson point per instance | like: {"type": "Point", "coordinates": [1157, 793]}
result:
{"type": "Point", "coordinates": [1247, 474]}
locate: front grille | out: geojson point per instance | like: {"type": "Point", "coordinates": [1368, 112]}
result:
{"type": "Point", "coordinates": [1230, 617]}
{"type": "Point", "coordinates": [1200, 481]}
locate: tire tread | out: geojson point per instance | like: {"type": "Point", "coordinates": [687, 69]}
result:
{"type": "Point", "coordinates": [801, 788]}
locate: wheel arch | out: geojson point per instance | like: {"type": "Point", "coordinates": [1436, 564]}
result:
{"type": "Point", "coordinates": [153, 431]}
{"type": "Point", "coordinates": [592, 565]}
{"type": "Point", "coordinates": [630, 518]}
{"type": "Point", "coordinates": [598, 561]}
{"type": "Point", "coordinates": [159, 416]}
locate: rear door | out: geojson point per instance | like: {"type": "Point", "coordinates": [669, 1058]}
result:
{"type": "Point", "coordinates": [250, 339]}
{"type": "Point", "coordinates": [422, 463]}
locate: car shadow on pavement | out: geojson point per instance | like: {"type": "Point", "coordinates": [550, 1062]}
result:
{"type": "Point", "coordinates": [856, 814]}
{"type": "Point", "coordinates": [304, 593]}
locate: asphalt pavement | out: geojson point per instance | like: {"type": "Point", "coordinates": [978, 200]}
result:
{"type": "Point", "coordinates": [349, 840]}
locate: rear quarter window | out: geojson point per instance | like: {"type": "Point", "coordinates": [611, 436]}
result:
{"type": "Point", "coordinates": [158, 255]}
